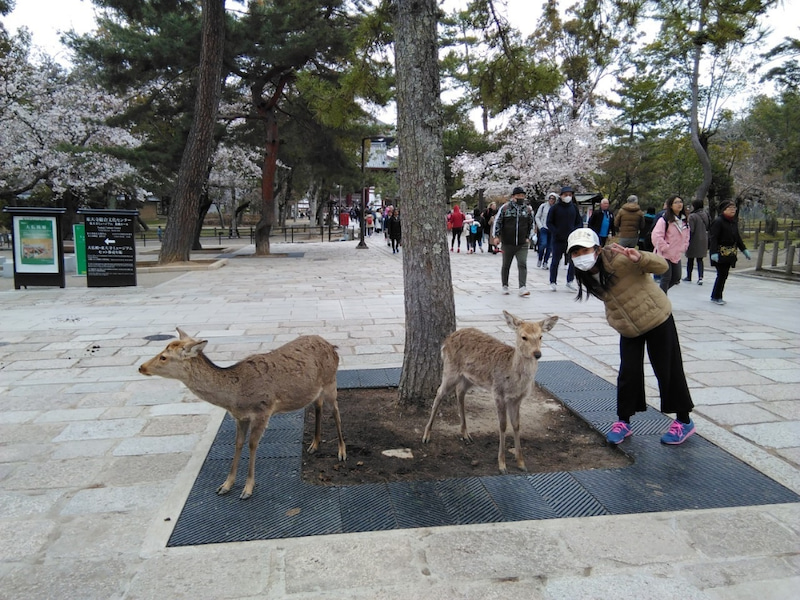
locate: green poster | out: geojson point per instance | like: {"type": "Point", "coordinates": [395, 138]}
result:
{"type": "Point", "coordinates": [37, 241]}
{"type": "Point", "coordinates": [79, 235]}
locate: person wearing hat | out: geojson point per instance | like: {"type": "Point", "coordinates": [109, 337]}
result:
{"type": "Point", "coordinates": [512, 226]}
{"type": "Point", "coordinates": [724, 241]}
{"type": "Point", "coordinates": [629, 222]}
{"type": "Point", "coordinates": [641, 313]}
{"type": "Point", "coordinates": [563, 218]}
{"type": "Point", "coordinates": [544, 233]}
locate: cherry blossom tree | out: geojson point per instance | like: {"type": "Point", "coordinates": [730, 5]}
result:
{"type": "Point", "coordinates": [56, 133]}
{"type": "Point", "coordinates": [534, 156]}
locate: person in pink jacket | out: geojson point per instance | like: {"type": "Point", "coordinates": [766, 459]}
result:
{"type": "Point", "coordinates": [670, 238]}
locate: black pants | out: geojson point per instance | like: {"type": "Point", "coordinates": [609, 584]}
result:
{"type": "Point", "coordinates": [690, 266]}
{"type": "Point", "coordinates": [664, 351]}
{"type": "Point", "coordinates": [672, 276]}
{"type": "Point", "coordinates": [719, 284]}
{"type": "Point", "coordinates": [559, 250]}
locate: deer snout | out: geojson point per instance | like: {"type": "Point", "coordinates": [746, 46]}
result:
{"type": "Point", "coordinates": [537, 355]}
{"type": "Point", "coordinates": [143, 369]}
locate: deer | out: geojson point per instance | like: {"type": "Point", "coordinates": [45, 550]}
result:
{"type": "Point", "coordinates": [474, 358]}
{"type": "Point", "coordinates": [252, 390]}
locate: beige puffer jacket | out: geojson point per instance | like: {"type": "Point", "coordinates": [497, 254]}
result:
{"type": "Point", "coordinates": [635, 304]}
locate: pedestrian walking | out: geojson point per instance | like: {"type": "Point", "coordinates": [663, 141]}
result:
{"type": "Point", "coordinates": [512, 226]}
{"type": "Point", "coordinates": [699, 224]}
{"type": "Point", "coordinates": [602, 222]}
{"type": "Point", "coordinates": [395, 230]}
{"type": "Point", "coordinates": [724, 243]}
{"type": "Point", "coordinates": [543, 245]}
{"type": "Point", "coordinates": [563, 218]}
{"type": "Point", "coordinates": [670, 238]}
{"type": "Point", "coordinates": [456, 220]}
{"type": "Point", "coordinates": [629, 222]}
{"type": "Point", "coordinates": [642, 314]}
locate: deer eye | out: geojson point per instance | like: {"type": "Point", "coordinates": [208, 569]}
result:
{"type": "Point", "coordinates": [162, 357]}
{"type": "Point", "coordinates": [524, 338]}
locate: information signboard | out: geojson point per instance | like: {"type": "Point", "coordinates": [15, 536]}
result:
{"type": "Point", "coordinates": [110, 247]}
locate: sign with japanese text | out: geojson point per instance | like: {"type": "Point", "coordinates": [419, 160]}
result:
{"type": "Point", "coordinates": [110, 249]}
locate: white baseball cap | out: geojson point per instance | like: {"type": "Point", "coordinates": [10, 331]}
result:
{"type": "Point", "coordinates": [583, 237]}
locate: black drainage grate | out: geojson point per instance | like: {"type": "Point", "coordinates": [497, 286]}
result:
{"type": "Point", "coordinates": [695, 475]}
{"type": "Point", "coordinates": [158, 337]}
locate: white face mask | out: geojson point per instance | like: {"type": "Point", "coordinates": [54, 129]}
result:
{"type": "Point", "coordinates": [566, 199]}
{"type": "Point", "coordinates": [585, 261]}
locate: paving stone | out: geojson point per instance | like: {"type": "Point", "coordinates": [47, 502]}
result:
{"type": "Point", "coordinates": [27, 505]}
{"type": "Point", "coordinates": [736, 414]}
{"type": "Point", "coordinates": [77, 449]}
{"type": "Point", "coordinates": [721, 395]}
{"type": "Point", "coordinates": [175, 425]}
{"type": "Point", "coordinates": [24, 539]}
{"type": "Point", "coordinates": [116, 499]}
{"type": "Point", "coordinates": [772, 435]}
{"type": "Point", "coordinates": [134, 470]}
{"type": "Point", "coordinates": [69, 414]}
{"type": "Point", "coordinates": [156, 445]}
{"type": "Point", "coordinates": [101, 429]}
{"type": "Point", "coordinates": [788, 409]}
{"type": "Point", "coordinates": [71, 474]}
{"type": "Point", "coordinates": [724, 534]}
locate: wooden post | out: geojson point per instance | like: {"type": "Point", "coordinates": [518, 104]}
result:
{"type": "Point", "coordinates": [775, 254]}
{"type": "Point", "coordinates": [762, 248]}
{"type": "Point", "coordinates": [789, 260]}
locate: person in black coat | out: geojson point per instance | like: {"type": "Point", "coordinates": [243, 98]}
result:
{"type": "Point", "coordinates": [602, 222]}
{"type": "Point", "coordinates": [393, 225]}
{"type": "Point", "coordinates": [563, 218]}
{"type": "Point", "coordinates": [724, 242]}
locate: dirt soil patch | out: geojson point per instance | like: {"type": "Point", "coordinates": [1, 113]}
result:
{"type": "Point", "coordinates": [553, 439]}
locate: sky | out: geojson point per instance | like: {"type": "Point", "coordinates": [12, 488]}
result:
{"type": "Point", "coordinates": [46, 18]}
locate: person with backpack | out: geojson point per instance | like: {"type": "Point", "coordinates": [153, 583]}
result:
{"type": "Point", "coordinates": [670, 239]}
{"type": "Point", "coordinates": [512, 226]}
{"type": "Point", "coordinates": [476, 232]}
{"type": "Point", "coordinates": [563, 218]}
{"type": "Point", "coordinates": [629, 222]}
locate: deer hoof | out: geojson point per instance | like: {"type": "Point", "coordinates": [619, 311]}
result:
{"type": "Point", "coordinates": [245, 495]}
{"type": "Point", "coordinates": [467, 438]}
{"type": "Point", "coordinates": [503, 470]}
{"type": "Point", "coordinates": [223, 489]}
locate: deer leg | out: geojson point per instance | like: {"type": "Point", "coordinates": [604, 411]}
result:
{"type": "Point", "coordinates": [444, 389]}
{"type": "Point", "coordinates": [241, 434]}
{"type": "Point", "coordinates": [317, 425]}
{"type": "Point", "coordinates": [328, 396]}
{"type": "Point", "coordinates": [256, 431]}
{"type": "Point", "coordinates": [513, 410]}
{"type": "Point", "coordinates": [501, 422]}
{"type": "Point", "coordinates": [461, 391]}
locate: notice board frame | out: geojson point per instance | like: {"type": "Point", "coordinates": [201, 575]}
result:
{"type": "Point", "coordinates": [48, 268]}
{"type": "Point", "coordinates": [110, 247]}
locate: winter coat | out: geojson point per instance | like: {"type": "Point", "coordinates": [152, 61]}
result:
{"type": "Point", "coordinates": [393, 227]}
{"type": "Point", "coordinates": [563, 219]}
{"type": "Point", "coordinates": [724, 233]}
{"type": "Point", "coordinates": [670, 240]}
{"type": "Point", "coordinates": [457, 218]}
{"type": "Point", "coordinates": [513, 223]}
{"type": "Point", "coordinates": [541, 215]}
{"type": "Point", "coordinates": [629, 220]}
{"type": "Point", "coordinates": [699, 223]}
{"type": "Point", "coordinates": [595, 222]}
{"type": "Point", "coordinates": [635, 303]}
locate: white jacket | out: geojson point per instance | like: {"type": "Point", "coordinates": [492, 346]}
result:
{"type": "Point", "coordinates": [541, 215]}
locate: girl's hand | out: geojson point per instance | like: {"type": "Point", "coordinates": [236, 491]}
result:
{"type": "Point", "coordinates": [631, 253]}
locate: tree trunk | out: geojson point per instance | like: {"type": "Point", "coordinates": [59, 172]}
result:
{"type": "Point", "coordinates": [429, 305]}
{"type": "Point", "coordinates": [181, 229]}
{"type": "Point", "coordinates": [702, 154]}
{"type": "Point", "coordinates": [267, 220]}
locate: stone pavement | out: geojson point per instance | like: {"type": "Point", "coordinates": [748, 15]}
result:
{"type": "Point", "coordinates": [96, 460]}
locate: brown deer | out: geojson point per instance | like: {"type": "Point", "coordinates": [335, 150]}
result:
{"type": "Point", "coordinates": [473, 358]}
{"type": "Point", "coordinates": [259, 386]}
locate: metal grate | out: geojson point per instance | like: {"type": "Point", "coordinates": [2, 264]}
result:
{"type": "Point", "coordinates": [694, 475]}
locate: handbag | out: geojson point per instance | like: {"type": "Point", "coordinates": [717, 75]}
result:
{"type": "Point", "coordinates": [727, 255]}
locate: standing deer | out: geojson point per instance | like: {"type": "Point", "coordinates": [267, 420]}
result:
{"type": "Point", "coordinates": [286, 379]}
{"type": "Point", "coordinates": [472, 358]}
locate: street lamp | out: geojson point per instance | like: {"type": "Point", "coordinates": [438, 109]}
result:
{"type": "Point", "coordinates": [362, 221]}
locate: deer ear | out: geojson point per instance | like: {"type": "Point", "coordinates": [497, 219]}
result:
{"type": "Point", "coordinates": [512, 321]}
{"type": "Point", "coordinates": [182, 334]}
{"type": "Point", "coordinates": [548, 324]}
{"type": "Point", "coordinates": [193, 348]}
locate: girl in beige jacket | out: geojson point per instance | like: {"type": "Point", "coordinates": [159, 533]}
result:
{"type": "Point", "coordinates": [642, 314]}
